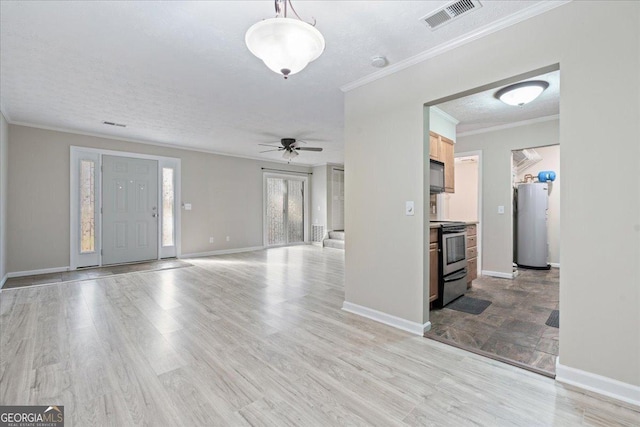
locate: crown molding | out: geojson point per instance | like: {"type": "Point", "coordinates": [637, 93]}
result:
{"type": "Point", "coordinates": [444, 115]}
{"type": "Point", "coordinates": [146, 142]}
{"type": "Point", "coordinates": [510, 125]}
{"type": "Point", "coordinates": [483, 31]}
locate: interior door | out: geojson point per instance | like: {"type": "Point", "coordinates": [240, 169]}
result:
{"type": "Point", "coordinates": [130, 210]}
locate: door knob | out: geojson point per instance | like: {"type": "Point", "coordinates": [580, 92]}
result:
{"type": "Point", "coordinates": [154, 215]}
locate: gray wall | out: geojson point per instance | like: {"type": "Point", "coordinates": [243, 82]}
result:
{"type": "Point", "coordinates": [225, 192]}
{"type": "Point", "coordinates": [599, 284]}
{"type": "Point", "coordinates": [4, 145]}
{"type": "Point", "coordinates": [497, 229]}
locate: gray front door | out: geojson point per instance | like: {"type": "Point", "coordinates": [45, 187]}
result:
{"type": "Point", "coordinates": [130, 210]}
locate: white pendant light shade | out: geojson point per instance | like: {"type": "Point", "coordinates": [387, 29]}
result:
{"type": "Point", "coordinates": [521, 93]}
{"type": "Point", "coordinates": [285, 45]}
{"type": "Point", "coordinates": [290, 154]}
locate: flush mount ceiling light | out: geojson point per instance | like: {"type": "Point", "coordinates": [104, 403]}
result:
{"type": "Point", "coordinates": [521, 93]}
{"type": "Point", "coordinates": [285, 45]}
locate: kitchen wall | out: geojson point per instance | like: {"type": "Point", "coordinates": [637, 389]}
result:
{"type": "Point", "coordinates": [4, 145]}
{"type": "Point", "coordinates": [463, 204]}
{"type": "Point", "coordinates": [496, 146]}
{"type": "Point", "coordinates": [442, 124]}
{"type": "Point", "coordinates": [384, 264]}
{"type": "Point", "coordinates": [550, 162]}
{"type": "Point", "coordinates": [225, 192]}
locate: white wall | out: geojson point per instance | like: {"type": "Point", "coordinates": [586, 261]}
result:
{"type": "Point", "coordinates": [225, 192]}
{"type": "Point", "coordinates": [463, 204]}
{"type": "Point", "coordinates": [384, 261]}
{"type": "Point", "coordinates": [550, 162]}
{"type": "Point", "coordinates": [496, 146]}
{"type": "Point", "coordinates": [442, 124]}
{"type": "Point", "coordinates": [319, 196]}
{"type": "Point", "coordinates": [4, 146]}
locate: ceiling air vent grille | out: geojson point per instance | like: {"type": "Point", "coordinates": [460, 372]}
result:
{"type": "Point", "coordinates": [449, 13]}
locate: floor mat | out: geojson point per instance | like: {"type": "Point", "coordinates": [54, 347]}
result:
{"type": "Point", "coordinates": [554, 319]}
{"type": "Point", "coordinates": [469, 305]}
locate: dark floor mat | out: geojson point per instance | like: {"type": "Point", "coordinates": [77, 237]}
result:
{"type": "Point", "coordinates": [554, 319]}
{"type": "Point", "coordinates": [469, 305]}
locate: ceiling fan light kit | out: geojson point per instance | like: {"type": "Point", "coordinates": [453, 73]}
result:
{"type": "Point", "coordinates": [522, 93]}
{"type": "Point", "coordinates": [285, 45]}
{"type": "Point", "coordinates": [290, 148]}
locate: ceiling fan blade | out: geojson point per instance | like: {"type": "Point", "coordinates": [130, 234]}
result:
{"type": "Point", "coordinates": [269, 145]}
{"type": "Point", "coordinates": [268, 151]}
{"type": "Point", "coordinates": [309, 148]}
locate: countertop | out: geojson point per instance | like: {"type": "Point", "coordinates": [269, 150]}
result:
{"type": "Point", "coordinates": [436, 224]}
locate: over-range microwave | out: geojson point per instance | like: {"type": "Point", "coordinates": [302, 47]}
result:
{"type": "Point", "coordinates": [436, 176]}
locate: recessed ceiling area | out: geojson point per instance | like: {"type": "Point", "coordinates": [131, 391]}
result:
{"type": "Point", "coordinates": [483, 110]}
{"type": "Point", "coordinates": [179, 73]}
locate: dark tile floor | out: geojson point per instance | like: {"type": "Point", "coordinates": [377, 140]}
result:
{"type": "Point", "coordinates": [92, 273]}
{"type": "Point", "coordinates": [513, 326]}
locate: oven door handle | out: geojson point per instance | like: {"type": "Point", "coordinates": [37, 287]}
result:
{"type": "Point", "coordinates": [456, 276]}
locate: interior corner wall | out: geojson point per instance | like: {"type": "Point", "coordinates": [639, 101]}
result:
{"type": "Point", "coordinates": [550, 162]}
{"type": "Point", "coordinates": [4, 145]}
{"type": "Point", "coordinates": [599, 284]}
{"type": "Point", "coordinates": [226, 194]}
{"type": "Point", "coordinates": [319, 196]}
{"type": "Point", "coordinates": [496, 146]}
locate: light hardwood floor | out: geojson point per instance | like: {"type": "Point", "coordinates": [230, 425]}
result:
{"type": "Point", "coordinates": [255, 339]}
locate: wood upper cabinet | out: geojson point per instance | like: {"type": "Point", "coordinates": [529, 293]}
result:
{"type": "Point", "coordinates": [441, 149]}
{"type": "Point", "coordinates": [446, 154]}
{"type": "Point", "coordinates": [434, 146]}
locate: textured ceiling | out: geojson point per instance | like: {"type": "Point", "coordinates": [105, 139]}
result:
{"type": "Point", "coordinates": [179, 72]}
{"type": "Point", "coordinates": [482, 110]}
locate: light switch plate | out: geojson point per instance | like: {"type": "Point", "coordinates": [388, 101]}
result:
{"type": "Point", "coordinates": [409, 208]}
{"type": "Point", "coordinates": [500, 209]}
{"type": "Point", "coordinates": [187, 206]}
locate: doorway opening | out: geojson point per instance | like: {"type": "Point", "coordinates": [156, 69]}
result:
{"type": "Point", "coordinates": [507, 313]}
{"type": "Point", "coordinates": [123, 207]}
{"type": "Point", "coordinates": [285, 210]}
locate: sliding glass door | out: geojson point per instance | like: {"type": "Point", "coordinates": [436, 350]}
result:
{"type": "Point", "coordinates": [284, 210]}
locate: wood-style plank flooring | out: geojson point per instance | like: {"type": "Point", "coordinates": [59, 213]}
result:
{"type": "Point", "coordinates": [255, 339]}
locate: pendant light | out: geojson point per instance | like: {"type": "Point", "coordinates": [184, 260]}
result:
{"type": "Point", "coordinates": [521, 93]}
{"type": "Point", "coordinates": [285, 45]}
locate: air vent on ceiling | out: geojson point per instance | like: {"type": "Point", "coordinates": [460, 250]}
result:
{"type": "Point", "coordinates": [115, 124]}
{"type": "Point", "coordinates": [450, 12]}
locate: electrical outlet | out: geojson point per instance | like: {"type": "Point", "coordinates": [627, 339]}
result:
{"type": "Point", "coordinates": [210, 239]}
{"type": "Point", "coordinates": [227, 238]}
{"type": "Point", "coordinates": [501, 209]}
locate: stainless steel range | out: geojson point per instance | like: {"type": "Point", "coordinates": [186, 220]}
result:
{"type": "Point", "coordinates": [453, 262]}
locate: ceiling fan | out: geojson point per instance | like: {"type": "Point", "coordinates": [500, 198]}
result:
{"type": "Point", "coordinates": [290, 148]}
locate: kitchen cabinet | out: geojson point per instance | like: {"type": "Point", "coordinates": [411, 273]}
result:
{"type": "Point", "coordinates": [472, 253]}
{"type": "Point", "coordinates": [441, 149]}
{"type": "Point", "coordinates": [434, 272]}
{"type": "Point", "coordinates": [434, 146]}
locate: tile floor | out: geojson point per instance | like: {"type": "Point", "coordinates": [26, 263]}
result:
{"type": "Point", "coordinates": [93, 273]}
{"type": "Point", "coordinates": [513, 326]}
